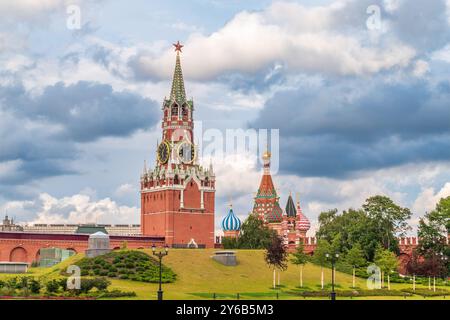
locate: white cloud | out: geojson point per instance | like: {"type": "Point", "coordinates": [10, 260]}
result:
{"type": "Point", "coordinates": [448, 11]}
{"type": "Point", "coordinates": [181, 26]}
{"type": "Point", "coordinates": [443, 54]}
{"type": "Point", "coordinates": [428, 198]}
{"type": "Point", "coordinates": [421, 67]}
{"type": "Point", "coordinates": [32, 10]}
{"type": "Point", "coordinates": [126, 189]}
{"type": "Point", "coordinates": [11, 42]}
{"type": "Point", "coordinates": [392, 5]}
{"type": "Point", "coordinates": [302, 38]}
{"type": "Point", "coordinates": [79, 208]}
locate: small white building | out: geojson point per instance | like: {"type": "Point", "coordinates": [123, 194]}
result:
{"type": "Point", "coordinates": [98, 245]}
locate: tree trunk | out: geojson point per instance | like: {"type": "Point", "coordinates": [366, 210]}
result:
{"type": "Point", "coordinates": [274, 284]}
{"type": "Point", "coordinates": [389, 281]}
{"type": "Point", "coordinates": [434, 284]}
{"type": "Point", "coordinates": [321, 276]}
{"type": "Point", "coordinates": [301, 276]}
{"type": "Point", "coordinates": [353, 280]}
{"type": "Point", "coordinates": [414, 283]}
{"type": "Point", "coordinates": [278, 278]}
{"type": "Point", "coordinates": [429, 283]}
{"type": "Point", "coordinates": [382, 279]}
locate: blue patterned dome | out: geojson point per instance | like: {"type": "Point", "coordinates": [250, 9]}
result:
{"type": "Point", "coordinates": [231, 222]}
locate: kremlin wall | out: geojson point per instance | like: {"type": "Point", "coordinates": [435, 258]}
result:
{"type": "Point", "coordinates": [177, 201]}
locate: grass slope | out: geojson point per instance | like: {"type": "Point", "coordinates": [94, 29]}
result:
{"type": "Point", "coordinates": [198, 277]}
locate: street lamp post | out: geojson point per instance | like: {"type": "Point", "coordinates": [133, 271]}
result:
{"type": "Point", "coordinates": [161, 254]}
{"type": "Point", "coordinates": [333, 258]}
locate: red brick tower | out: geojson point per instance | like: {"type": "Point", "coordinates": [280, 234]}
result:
{"type": "Point", "coordinates": [177, 195]}
{"type": "Point", "coordinates": [267, 206]}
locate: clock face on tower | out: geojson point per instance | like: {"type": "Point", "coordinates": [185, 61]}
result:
{"type": "Point", "coordinates": [186, 152]}
{"type": "Point", "coordinates": [163, 152]}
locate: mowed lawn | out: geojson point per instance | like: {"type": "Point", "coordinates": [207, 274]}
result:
{"type": "Point", "coordinates": [199, 276]}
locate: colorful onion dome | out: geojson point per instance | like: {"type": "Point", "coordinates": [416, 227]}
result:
{"type": "Point", "coordinates": [303, 222]}
{"type": "Point", "coordinates": [274, 214]}
{"type": "Point", "coordinates": [290, 208]}
{"type": "Point", "coordinates": [231, 222]}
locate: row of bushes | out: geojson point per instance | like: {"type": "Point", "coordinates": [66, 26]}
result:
{"type": "Point", "coordinates": [26, 286]}
{"type": "Point", "coordinates": [428, 293]}
{"type": "Point", "coordinates": [352, 293]}
{"type": "Point", "coordinates": [86, 285]}
{"type": "Point", "coordinates": [394, 277]}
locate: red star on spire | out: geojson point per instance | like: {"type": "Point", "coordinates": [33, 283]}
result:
{"type": "Point", "coordinates": [178, 46]}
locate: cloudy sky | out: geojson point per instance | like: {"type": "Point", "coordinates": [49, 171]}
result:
{"type": "Point", "coordinates": [359, 90]}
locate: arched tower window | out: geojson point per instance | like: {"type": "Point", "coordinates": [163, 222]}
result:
{"type": "Point", "coordinates": [174, 111]}
{"type": "Point", "coordinates": [185, 112]}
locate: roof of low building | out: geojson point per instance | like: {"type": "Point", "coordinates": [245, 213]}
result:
{"type": "Point", "coordinates": [90, 229]}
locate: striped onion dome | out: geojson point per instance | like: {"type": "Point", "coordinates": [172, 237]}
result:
{"type": "Point", "coordinates": [231, 222]}
{"type": "Point", "coordinates": [303, 223]}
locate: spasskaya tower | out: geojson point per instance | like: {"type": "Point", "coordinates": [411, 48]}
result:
{"type": "Point", "coordinates": [177, 195]}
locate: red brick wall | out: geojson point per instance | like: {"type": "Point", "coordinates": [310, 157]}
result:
{"type": "Point", "coordinates": [24, 247]}
{"type": "Point", "coordinates": [192, 195]}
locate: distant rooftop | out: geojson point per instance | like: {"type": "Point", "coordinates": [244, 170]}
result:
{"type": "Point", "coordinates": [91, 229]}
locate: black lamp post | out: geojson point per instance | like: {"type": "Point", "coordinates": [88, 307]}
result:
{"type": "Point", "coordinates": [333, 258]}
{"type": "Point", "coordinates": [161, 254]}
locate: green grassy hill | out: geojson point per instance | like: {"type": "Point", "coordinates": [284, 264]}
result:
{"type": "Point", "coordinates": [198, 276]}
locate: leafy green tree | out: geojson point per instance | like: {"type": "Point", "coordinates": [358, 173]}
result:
{"type": "Point", "coordinates": [433, 229]}
{"type": "Point", "coordinates": [254, 234]}
{"type": "Point", "coordinates": [276, 255]}
{"type": "Point", "coordinates": [230, 243]}
{"type": "Point", "coordinates": [388, 218]}
{"type": "Point", "coordinates": [387, 261]}
{"type": "Point", "coordinates": [323, 247]}
{"type": "Point", "coordinates": [433, 249]}
{"type": "Point", "coordinates": [352, 226]}
{"type": "Point", "coordinates": [300, 258]}
{"type": "Point", "coordinates": [441, 215]}
{"type": "Point", "coordinates": [329, 225]}
{"type": "Point", "coordinates": [355, 258]}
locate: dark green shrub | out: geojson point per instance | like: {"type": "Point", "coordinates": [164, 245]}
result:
{"type": "Point", "coordinates": [101, 283]}
{"type": "Point", "coordinates": [34, 286]}
{"type": "Point", "coordinates": [52, 286]}
{"type": "Point", "coordinates": [116, 294]}
{"type": "Point", "coordinates": [134, 265]}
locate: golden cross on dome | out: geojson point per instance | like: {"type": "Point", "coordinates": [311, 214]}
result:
{"type": "Point", "coordinates": [178, 46]}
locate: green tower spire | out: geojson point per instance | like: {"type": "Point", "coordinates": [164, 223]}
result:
{"type": "Point", "coordinates": [178, 93]}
